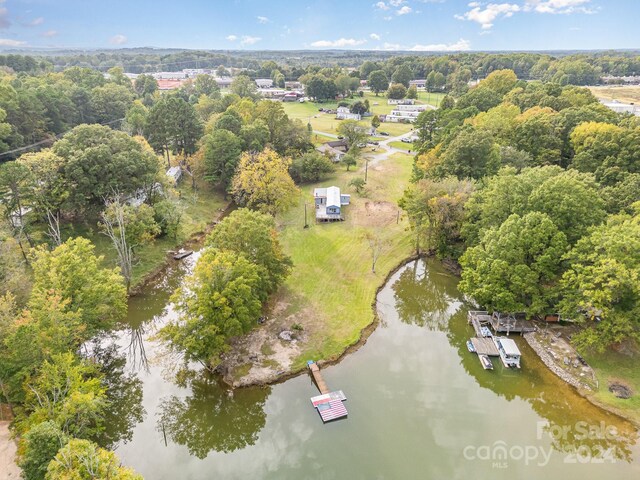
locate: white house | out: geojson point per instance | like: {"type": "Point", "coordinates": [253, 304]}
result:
{"type": "Point", "coordinates": [419, 83]}
{"type": "Point", "coordinates": [169, 75]}
{"type": "Point", "coordinates": [401, 101]}
{"type": "Point", "coordinates": [401, 116]}
{"type": "Point", "coordinates": [329, 202]}
{"type": "Point", "coordinates": [343, 113]}
{"type": "Point", "coordinates": [264, 82]}
{"type": "Point", "coordinates": [412, 108]}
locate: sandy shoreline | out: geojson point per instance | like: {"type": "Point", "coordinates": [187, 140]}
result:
{"type": "Point", "coordinates": [8, 468]}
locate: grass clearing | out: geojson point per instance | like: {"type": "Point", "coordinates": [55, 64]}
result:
{"type": "Point", "coordinates": [622, 93]}
{"type": "Point", "coordinates": [613, 367]}
{"type": "Point", "coordinates": [332, 278]}
{"type": "Point", "coordinates": [308, 112]}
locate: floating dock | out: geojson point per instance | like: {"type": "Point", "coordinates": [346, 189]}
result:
{"type": "Point", "coordinates": [508, 323]}
{"type": "Point", "coordinates": [485, 346]}
{"type": "Point", "coordinates": [329, 404]}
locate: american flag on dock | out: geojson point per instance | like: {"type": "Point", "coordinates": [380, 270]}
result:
{"type": "Point", "coordinates": [332, 410]}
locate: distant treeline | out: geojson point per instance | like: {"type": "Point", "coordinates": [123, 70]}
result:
{"type": "Point", "coordinates": [566, 67]}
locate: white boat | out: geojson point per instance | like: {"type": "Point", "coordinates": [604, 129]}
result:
{"type": "Point", "coordinates": [509, 352]}
{"type": "Point", "coordinates": [486, 362]}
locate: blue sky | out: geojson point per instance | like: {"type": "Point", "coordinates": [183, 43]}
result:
{"type": "Point", "coordinates": [428, 25]}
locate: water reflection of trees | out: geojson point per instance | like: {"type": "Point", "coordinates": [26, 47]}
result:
{"type": "Point", "coordinates": [422, 300]}
{"type": "Point", "coordinates": [552, 399]}
{"type": "Point", "coordinates": [212, 418]}
{"type": "Point", "coordinates": [124, 393]}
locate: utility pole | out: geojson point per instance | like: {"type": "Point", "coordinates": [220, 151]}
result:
{"type": "Point", "coordinates": [306, 225]}
{"type": "Point", "coordinates": [366, 169]}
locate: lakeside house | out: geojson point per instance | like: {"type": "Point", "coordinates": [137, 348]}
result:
{"type": "Point", "coordinates": [343, 113]}
{"type": "Point", "coordinates": [329, 202]}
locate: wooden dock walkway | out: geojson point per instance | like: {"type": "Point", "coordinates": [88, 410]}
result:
{"type": "Point", "coordinates": [479, 319]}
{"type": "Point", "coordinates": [329, 404]}
{"type": "Point", "coordinates": [317, 377]}
{"type": "Point", "coordinates": [485, 346]}
{"type": "Point", "coordinates": [507, 323]}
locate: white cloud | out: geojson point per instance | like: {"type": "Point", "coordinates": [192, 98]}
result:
{"type": "Point", "coordinates": [460, 45]}
{"type": "Point", "coordinates": [396, 3]}
{"type": "Point", "coordinates": [382, 6]}
{"type": "Point", "coordinates": [249, 40]}
{"type": "Point", "coordinates": [558, 6]}
{"type": "Point", "coordinates": [118, 40]}
{"type": "Point", "coordinates": [404, 10]}
{"type": "Point", "coordinates": [35, 22]}
{"type": "Point", "coordinates": [49, 33]}
{"type": "Point", "coordinates": [232, 38]}
{"type": "Point", "coordinates": [263, 20]}
{"type": "Point", "coordinates": [486, 15]}
{"type": "Point", "coordinates": [374, 36]}
{"type": "Point", "coordinates": [391, 46]}
{"type": "Point", "coordinates": [8, 42]}
{"type": "Point", "coordinates": [341, 42]}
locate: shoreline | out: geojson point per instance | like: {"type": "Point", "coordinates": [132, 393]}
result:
{"type": "Point", "coordinates": [364, 335]}
{"type": "Point", "coordinates": [8, 454]}
{"type": "Point", "coordinates": [193, 241]}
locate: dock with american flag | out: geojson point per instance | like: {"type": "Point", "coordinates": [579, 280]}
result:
{"type": "Point", "coordinates": [329, 404]}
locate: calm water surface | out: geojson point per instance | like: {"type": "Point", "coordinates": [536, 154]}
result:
{"type": "Point", "coordinates": [420, 406]}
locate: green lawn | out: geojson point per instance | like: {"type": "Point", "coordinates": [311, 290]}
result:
{"type": "Point", "coordinates": [200, 209]}
{"type": "Point", "coordinates": [331, 288]}
{"type": "Point", "coordinates": [322, 122]}
{"type": "Point", "coordinates": [616, 367]}
{"type": "Point", "coordinates": [401, 145]}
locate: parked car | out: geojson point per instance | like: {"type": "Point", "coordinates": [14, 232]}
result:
{"type": "Point", "coordinates": [340, 137]}
{"type": "Point", "coordinates": [362, 145]}
{"type": "Point", "coordinates": [384, 134]}
{"type": "Point", "coordinates": [406, 140]}
{"type": "Point", "coordinates": [373, 143]}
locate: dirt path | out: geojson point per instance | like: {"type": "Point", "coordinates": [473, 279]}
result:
{"type": "Point", "coordinates": [8, 468]}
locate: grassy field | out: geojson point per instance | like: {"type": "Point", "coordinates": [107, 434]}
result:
{"type": "Point", "coordinates": [331, 288]}
{"type": "Point", "coordinates": [622, 93]}
{"type": "Point", "coordinates": [200, 209]}
{"type": "Point", "coordinates": [613, 367]}
{"type": "Point", "coordinates": [322, 122]}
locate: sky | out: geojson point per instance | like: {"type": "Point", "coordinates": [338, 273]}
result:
{"type": "Point", "coordinates": [418, 25]}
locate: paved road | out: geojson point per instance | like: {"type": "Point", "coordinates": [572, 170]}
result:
{"type": "Point", "coordinates": [387, 150]}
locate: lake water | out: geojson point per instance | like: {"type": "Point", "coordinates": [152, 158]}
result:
{"type": "Point", "coordinates": [420, 406]}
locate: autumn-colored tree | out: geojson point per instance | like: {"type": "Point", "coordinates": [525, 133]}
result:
{"type": "Point", "coordinates": [262, 182]}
